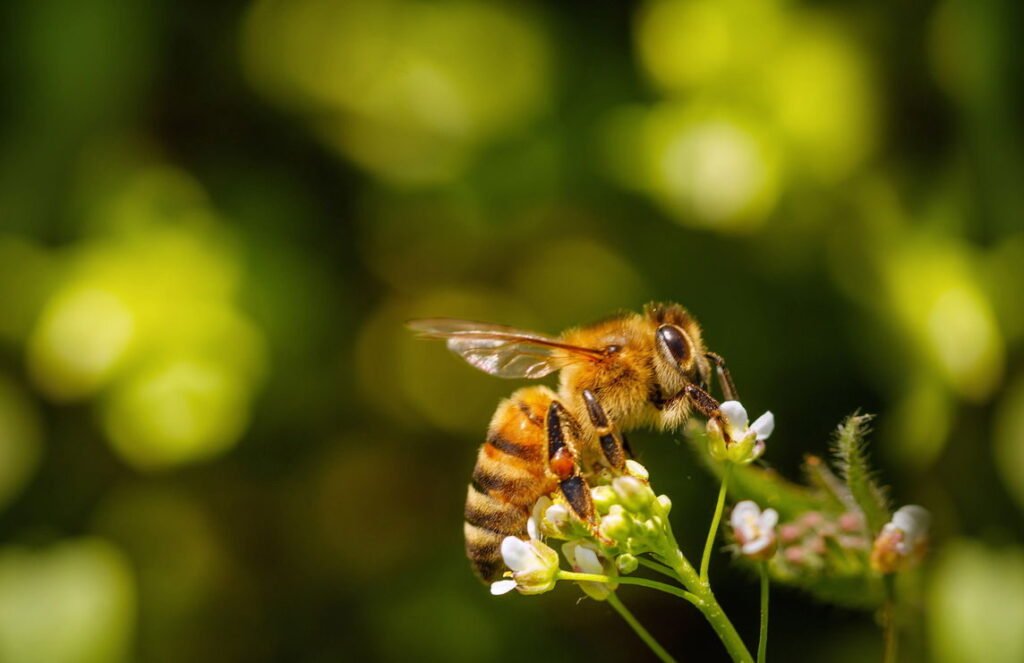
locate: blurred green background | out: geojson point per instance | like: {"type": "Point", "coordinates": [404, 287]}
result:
{"type": "Point", "coordinates": [218, 443]}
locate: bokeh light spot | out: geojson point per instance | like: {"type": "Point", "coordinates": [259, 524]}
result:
{"type": "Point", "coordinates": [976, 604]}
{"type": "Point", "coordinates": [712, 168]}
{"type": "Point", "coordinates": [20, 439]}
{"type": "Point", "coordinates": [1009, 440]}
{"type": "Point", "coordinates": [72, 603]}
{"type": "Point", "coordinates": [82, 336]}
{"type": "Point", "coordinates": [177, 411]}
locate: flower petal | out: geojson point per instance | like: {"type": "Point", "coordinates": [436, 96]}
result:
{"type": "Point", "coordinates": [502, 587]}
{"type": "Point", "coordinates": [912, 519]}
{"type": "Point", "coordinates": [743, 512]}
{"type": "Point", "coordinates": [532, 529]}
{"type": "Point", "coordinates": [587, 561]}
{"type": "Point", "coordinates": [537, 516]}
{"type": "Point", "coordinates": [769, 519]}
{"type": "Point", "coordinates": [735, 416]}
{"type": "Point", "coordinates": [757, 545]}
{"type": "Point", "coordinates": [518, 554]}
{"type": "Point", "coordinates": [763, 425]}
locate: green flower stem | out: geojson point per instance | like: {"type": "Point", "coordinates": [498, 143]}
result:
{"type": "Point", "coordinates": [660, 568]}
{"type": "Point", "coordinates": [642, 582]}
{"type": "Point", "coordinates": [638, 628]}
{"type": "Point", "coordinates": [708, 604]}
{"type": "Point", "coordinates": [713, 531]}
{"type": "Point", "coordinates": [762, 643]}
{"type": "Point", "coordinates": [889, 620]}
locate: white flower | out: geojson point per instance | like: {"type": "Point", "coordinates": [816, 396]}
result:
{"type": "Point", "coordinates": [584, 559]}
{"type": "Point", "coordinates": [534, 567]}
{"type": "Point", "coordinates": [733, 439]}
{"type": "Point", "coordinates": [902, 541]}
{"type": "Point", "coordinates": [735, 417]}
{"type": "Point", "coordinates": [913, 521]}
{"type": "Point", "coordinates": [754, 529]}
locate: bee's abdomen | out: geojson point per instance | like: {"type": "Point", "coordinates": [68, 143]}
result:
{"type": "Point", "coordinates": [510, 475]}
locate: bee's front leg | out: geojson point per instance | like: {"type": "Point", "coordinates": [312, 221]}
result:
{"type": "Point", "coordinates": [613, 443]}
{"type": "Point", "coordinates": [563, 434]}
{"type": "Point", "coordinates": [701, 400]}
{"type": "Point", "coordinates": [697, 398]}
{"type": "Point", "coordinates": [724, 376]}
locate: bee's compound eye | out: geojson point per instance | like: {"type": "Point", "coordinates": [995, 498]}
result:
{"type": "Point", "coordinates": [676, 342]}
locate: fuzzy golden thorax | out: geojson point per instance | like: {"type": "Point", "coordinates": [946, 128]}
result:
{"type": "Point", "coordinates": [638, 380]}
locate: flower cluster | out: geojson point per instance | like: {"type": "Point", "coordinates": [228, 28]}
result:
{"type": "Point", "coordinates": [823, 550]}
{"type": "Point", "coordinates": [631, 520]}
{"type": "Point", "coordinates": [805, 541]}
{"type": "Point", "coordinates": [730, 438]}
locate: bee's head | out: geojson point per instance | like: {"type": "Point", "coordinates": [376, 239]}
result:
{"type": "Point", "coordinates": [679, 351]}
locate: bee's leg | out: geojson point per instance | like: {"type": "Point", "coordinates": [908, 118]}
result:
{"type": "Point", "coordinates": [613, 445]}
{"type": "Point", "coordinates": [563, 432]}
{"type": "Point", "coordinates": [724, 376]}
{"type": "Point", "coordinates": [704, 402]}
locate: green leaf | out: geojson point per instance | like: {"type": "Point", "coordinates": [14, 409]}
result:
{"type": "Point", "coordinates": [851, 453]}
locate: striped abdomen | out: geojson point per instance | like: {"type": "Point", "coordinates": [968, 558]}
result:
{"type": "Point", "coordinates": [510, 476]}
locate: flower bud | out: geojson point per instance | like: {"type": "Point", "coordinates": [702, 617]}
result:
{"type": "Point", "coordinates": [604, 497]}
{"type": "Point", "coordinates": [627, 563]}
{"type": "Point", "coordinates": [637, 470]}
{"type": "Point", "coordinates": [717, 447]}
{"type": "Point", "coordinates": [790, 533]}
{"type": "Point", "coordinates": [615, 526]}
{"type": "Point", "coordinates": [665, 503]}
{"type": "Point", "coordinates": [851, 522]}
{"type": "Point", "coordinates": [634, 494]}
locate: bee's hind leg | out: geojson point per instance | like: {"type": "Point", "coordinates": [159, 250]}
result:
{"type": "Point", "coordinates": [613, 444]}
{"type": "Point", "coordinates": [562, 433]}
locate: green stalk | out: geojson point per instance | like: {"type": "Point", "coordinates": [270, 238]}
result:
{"type": "Point", "coordinates": [713, 531]}
{"type": "Point", "coordinates": [708, 604]}
{"type": "Point", "coordinates": [641, 582]}
{"type": "Point", "coordinates": [638, 628]}
{"type": "Point", "coordinates": [890, 632]}
{"type": "Point", "coordinates": [762, 643]}
{"type": "Point", "coordinates": [660, 568]}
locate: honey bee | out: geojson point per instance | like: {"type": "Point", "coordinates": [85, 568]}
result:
{"type": "Point", "coordinates": [628, 371]}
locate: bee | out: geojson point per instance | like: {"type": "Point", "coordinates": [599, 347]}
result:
{"type": "Point", "coordinates": [629, 371]}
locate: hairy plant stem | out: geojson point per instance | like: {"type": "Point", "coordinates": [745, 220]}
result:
{"type": "Point", "coordinates": [762, 642]}
{"type": "Point", "coordinates": [709, 545]}
{"type": "Point", "coordinates": [638, 628]}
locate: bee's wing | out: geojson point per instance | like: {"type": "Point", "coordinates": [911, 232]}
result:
{"type": "Point", "coordinates": [502, 351]}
